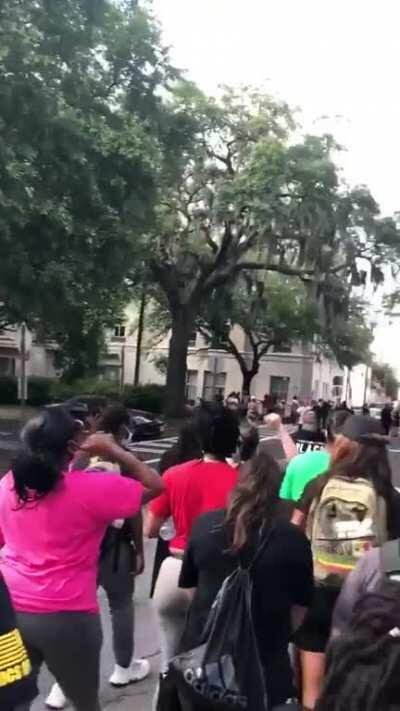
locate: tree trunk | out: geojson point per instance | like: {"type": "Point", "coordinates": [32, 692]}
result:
{"type": "Point", "coordinates": [139, 338]}
{"type": "Point", "coordinates": [182, 325]}
{"type": "Point", "coordinates": [248, 376]}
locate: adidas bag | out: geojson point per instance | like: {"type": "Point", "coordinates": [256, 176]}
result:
{"type": "Point", "coordinates": [225, 673]}
{"type": "Point", "coordinates": [347, 520]}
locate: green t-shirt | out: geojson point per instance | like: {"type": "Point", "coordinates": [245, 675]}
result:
{"type": "Point", "coordinates": [300, 471]}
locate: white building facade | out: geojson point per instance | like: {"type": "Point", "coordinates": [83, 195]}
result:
{"type": "Point", "coordinates": [297, 371]}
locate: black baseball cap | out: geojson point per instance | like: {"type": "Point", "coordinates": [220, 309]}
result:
{"type": "Point", "coordinates": [361, 428]}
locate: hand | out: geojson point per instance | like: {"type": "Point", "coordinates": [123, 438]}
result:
{"type": "Point", "coordinates": [100, 445]}
{"type": "Point", "coordinates": [273, 421]}
{"type": "Point", "coordinates": [92, 422]}
{"type": "Point", "coordinates": [139, 567]}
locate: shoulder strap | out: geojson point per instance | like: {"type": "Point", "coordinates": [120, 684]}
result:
{"type": "Point", "coordinates": [390, 558]}
{"type": "Point", "coordinates": [260, 549]}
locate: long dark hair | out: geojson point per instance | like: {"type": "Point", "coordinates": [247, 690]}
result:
{"type": "Point", "coordinates": [367, 458]}
{"type": "Point", "coordinates": [112, 419]}
{"type": "Point", "coordinates": [186, 448]}
{"type": "Point", "coordinates": [363, 665]}
{"type": "Point", "coordinates": [39, 464]}
{"type": "Point", "coordinates": [254, 500]}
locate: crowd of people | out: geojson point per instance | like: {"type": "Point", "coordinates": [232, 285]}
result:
{"type": "Point", "coordinates": [311, 520]}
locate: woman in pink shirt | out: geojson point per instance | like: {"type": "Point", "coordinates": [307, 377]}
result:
{"type": "Point", "coordinates": [51, 525]}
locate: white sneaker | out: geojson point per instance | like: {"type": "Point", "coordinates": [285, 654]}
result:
{"type": "Point", "coordinates": [56, 699]}
{"type": "Point", "coordinates": [139, 670]}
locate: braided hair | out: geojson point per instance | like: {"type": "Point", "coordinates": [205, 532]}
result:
{"type": "Point", "coordinates": [363, 665]}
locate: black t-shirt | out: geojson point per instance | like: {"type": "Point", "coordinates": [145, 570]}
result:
{"type": "Point", "coordinates": [16, 683]}
{"type": "Point", "coordinates": [283, 577]}
{"type": "Point", "coordinates": [308, 441]}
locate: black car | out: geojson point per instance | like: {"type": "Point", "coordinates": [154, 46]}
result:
{"type": "Point", "coordinates": [143, 424]}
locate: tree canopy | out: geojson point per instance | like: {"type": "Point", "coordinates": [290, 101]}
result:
{"type": "Point", "coordinates": [115, 170]}
{"type": "Point", "coordinates": [273, 311]}
{"type": "Point", "coordinates": [81, 125]}
{"type": "Point", "coordinates": [384, 375]}
{"type": "Point", "coordinates": [249, 198]}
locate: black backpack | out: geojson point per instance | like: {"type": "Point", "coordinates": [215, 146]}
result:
{"type": "Point", "coordinates": [225, 672]}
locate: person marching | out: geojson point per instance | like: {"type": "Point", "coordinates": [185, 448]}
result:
{"type": "Point", "coordinates": [121, 559]}
{"type": "Point", "coordinates": [52, 523]}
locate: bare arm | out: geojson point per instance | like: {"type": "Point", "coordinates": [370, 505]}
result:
{"type": "Point", "coordinates": [297, 518]}
{"type": "Point", "coordinates": [104, 445]}
{"type": "Point", "coordinates": [152, 525]}
{"type": "Point", "coordinates": [288, 445]}
{"type": "Point", "coordinates": [297, 615]}
{"type": "Point", "coordinates": [274, 422]}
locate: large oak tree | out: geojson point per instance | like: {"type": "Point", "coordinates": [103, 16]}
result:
{"type": "Point", "coordinates": [248, 197]}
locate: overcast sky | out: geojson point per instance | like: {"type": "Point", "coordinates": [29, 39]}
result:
{"type": "Point", "coordinates": [331, 58]}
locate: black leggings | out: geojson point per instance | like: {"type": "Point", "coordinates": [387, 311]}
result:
{"type": "Point", "coordinates": [70, 644]}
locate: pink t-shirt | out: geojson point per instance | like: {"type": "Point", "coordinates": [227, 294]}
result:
{"type": "Point", "coordinates": [51, 547]}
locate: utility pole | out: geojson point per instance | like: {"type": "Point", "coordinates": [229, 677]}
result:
{"type": "Point", "coordinates": [139, 338]}
{"type": "Point", "coordinates": [122, 376]}
{"type": "Point", "coordinates": [22, 380]}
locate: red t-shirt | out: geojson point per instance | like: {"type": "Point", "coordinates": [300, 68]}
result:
{"type": "Point", "coordinates": [191, 489]}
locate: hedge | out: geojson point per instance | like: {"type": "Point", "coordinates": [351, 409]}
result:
{"type": "Point", "coordinates": [149, 397]}
{"type": "Point", "coordinates": [41, 391]}
{"type": "Point", "coordinates": [8, 390]}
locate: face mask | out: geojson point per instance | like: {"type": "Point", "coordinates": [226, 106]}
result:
{"type": "Point", "coordinates": [127, 436]}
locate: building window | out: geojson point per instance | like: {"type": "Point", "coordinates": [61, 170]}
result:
{"type": "Point", "coordinates": [337, 387]}
{"type": "Point", "coordinates": [7, 366]}
{"type": "Point", "coordinates": [111, 373]}
{"type": "Point", "coordinates": [191, 385]}
{"type": "Point", "coordinates": [279, 387]}
{"type": "Point", "coordinates": [213, 384]}
{"type": "Point", "coordinates": [192, 339]}
{"type": "Point", "coordinates": [220, 381]}
{"type": "Point", "coordinates": [282, 348]}
{"type": "Point", "coordinates": [120, 331]}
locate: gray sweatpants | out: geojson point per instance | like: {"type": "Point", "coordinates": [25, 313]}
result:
{"type": "Point", "coordinates": [69, 643]}
{"type": "Point", "coordinates": [118, 581]}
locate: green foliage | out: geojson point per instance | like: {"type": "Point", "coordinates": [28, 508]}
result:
{"type": "Point", "coordinates": [384, 375]}
{"type": "Point", "coordinates": [251, 196]}
{"type": "Point", "coordinates": [8, 390]}
{"type": "Point", "coordinates": [82, 124]}
{"type": "Point", "coordinates": [143, 397]}
{"type": "Point", "coordinates": [64, 390]}
{"type": "Point", "coordinates": [347, 335]}
{"type": "Point", "coordinates": [149, 397]}
{"type": "Point", "coordinates": [40, 391]}
{"type": "Point", "coordinates": [271, 311]}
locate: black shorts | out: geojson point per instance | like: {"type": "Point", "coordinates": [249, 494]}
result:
{"type": "Point", "coordinates": [313, 635]}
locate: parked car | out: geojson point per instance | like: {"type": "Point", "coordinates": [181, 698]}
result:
{"type": "Point", "coordinates": [143, 424]}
